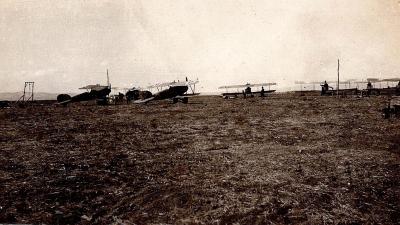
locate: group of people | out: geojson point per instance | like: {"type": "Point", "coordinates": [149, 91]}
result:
{"type": "Point", "coordinates": [247, 91]}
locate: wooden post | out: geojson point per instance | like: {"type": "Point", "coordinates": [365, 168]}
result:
{"type": "Point", "coordinates": [338, 69]}
{"type": "Point", "coordinates": [33, 86]}
{"type": "Point", "coordinates": [23, 96]}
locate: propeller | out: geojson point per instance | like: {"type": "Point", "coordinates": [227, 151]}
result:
{"type": "Point", "coordinates": [192, 84]}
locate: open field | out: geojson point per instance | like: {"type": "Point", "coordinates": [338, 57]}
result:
{"type": "Point", "coordinates": [310, 160]}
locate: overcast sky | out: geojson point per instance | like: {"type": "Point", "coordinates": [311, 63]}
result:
{"type": "Point", "coordinates": [62, 45]}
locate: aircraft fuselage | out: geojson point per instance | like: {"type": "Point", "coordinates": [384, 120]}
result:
{"type": "Point", "coordinates": [92, 95]}
{"type": "Point", "coordinates": [100, 94]}
{"type": "Point", "coordinates": [171, 92]}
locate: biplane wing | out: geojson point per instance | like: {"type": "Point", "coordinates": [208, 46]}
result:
{"type": "Point", "coordinates": [300, 82]}
{"type": "Point", "coordinates": [190, 94]}
{"type": "Point", "coordinates": [167, 84]}
{"type": "Point", "coordinates": [373, 79]}
{"type": "Point", "coordinates": [141, 101]}
{"type": "Point", "coordinates": [264, 84]}
{"type": "Point", "coordinates": [391, 80]}
{"type": "Point", "coordinates": [246, 85]}
{"type": "Point", "coordinates": [94, 86]}
{"type": "Point", "coordinates": [79, 100]}
{"type": "Point", "coordinates": [311, 82]}
{"type": "Point", "coordinates": [160, 85]}
{"type": "Point", "coordinates": [64, 102]}
{"type": "Point", "coordinates": [235, 86]}
{"type": "Point", "coordinates": [180, 97]}
{"type": "Point", "coordinates": [185, 96]}
{"type": "Point", "coordinates": [174, 83]}
{"type": "Point", "coordinates": [88, 87]}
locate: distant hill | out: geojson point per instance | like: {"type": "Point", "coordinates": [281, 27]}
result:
{"type": "Point", "coordinates": [14, 96]}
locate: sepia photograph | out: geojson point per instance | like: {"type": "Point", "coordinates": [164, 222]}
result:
{"type": "Point", "coordinates": [197, 112]}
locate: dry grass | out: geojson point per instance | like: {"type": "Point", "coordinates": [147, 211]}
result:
{"type": "Point", "coordinates": [307, 160]}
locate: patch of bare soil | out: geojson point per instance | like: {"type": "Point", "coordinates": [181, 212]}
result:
{"type": "Point", "coordinates": [277, 160]}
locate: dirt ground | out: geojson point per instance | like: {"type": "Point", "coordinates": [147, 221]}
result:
{"type": "Point", "coordinates": [277, 160]}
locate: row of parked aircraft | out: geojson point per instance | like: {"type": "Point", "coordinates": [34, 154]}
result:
{"type": "Point", "coordinates": [181, 91]}
{"type": "Point", "coordinates": [175, 91]}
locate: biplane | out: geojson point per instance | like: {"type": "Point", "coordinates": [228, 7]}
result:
{"type": "Point", "coordinates": [348, 89]}
{"type": "Point", "coordinates": [175, 91]}
{"type": "Point", "coordinates": [374, 87]}
{"type": "Point", "coordinates": [246, 90]}
{"type": "Point", "coordinates": [326, 89]}
{"type": "Point", "coordinates": [305, 87]}
{"type": "Point", "coordinates": [96, 92]}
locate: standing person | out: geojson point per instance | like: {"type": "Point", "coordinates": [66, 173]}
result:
{"type": "Point", "coordinates": [369, 88]}
{"type": "Point", "coordinates": [262, 92]}
{"type": "Point", "coordinates": [324, 88]}
{"type": "Point", "coordinates": [369, 85]}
